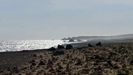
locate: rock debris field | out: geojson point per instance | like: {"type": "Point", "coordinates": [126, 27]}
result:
{"type": "Point", "coordinates": [104, 60]}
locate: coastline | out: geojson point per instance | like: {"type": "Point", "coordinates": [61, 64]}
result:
{"type": "Point", "coordinates": [108, 59]}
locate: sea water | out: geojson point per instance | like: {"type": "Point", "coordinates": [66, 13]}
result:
{"type": "Point", "coordinates": [19, 45]}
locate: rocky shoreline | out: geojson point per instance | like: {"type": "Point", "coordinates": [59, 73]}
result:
{"type": "Point", "coordinates": [105, 60]}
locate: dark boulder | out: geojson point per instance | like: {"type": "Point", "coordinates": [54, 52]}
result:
{"type": "Point", "coordinates": [60, 47]}
{"type": "Point", "coordinates": [69, 46]}
{"type": "Point", "coordinates": [52, 49]}
{"type": "Point", "coordinates": [89, 45]}
{"type": "Point", "coordinates": [99, 44]}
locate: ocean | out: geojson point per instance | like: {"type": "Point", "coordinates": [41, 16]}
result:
{"type": "Point", "coordinates": [19, 45]}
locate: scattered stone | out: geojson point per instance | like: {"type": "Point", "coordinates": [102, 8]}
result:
{"type": "Point", "coordinates": [99, 44]}
{"type": "Point", "coordinates": [33, 64]}
{"type": "Point", "coordinates": [60, 67]}
{"type": "Point", "coordinates": [78, 62]}
{"type": "Point", "coordinates": [51, 70]}
{"type": "Point", "coordinates": [115, 67]}
{"type": "Point", "coordinates": [106, 60]}
{"type": "Point", "coordinates": [32, 61]}
{"type": "Point", "coordinates": [24, 68]}
{"type": "Point", "coordinates": [50, 62]}
{"type": "Point", "coordinates": [41, 63]}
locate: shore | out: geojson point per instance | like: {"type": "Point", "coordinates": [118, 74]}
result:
{"type": "Point", "coordinates": [106, 60]}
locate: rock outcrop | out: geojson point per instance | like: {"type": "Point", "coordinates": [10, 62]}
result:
{"type": "Point", "coordinates": [69, 46]}
{"type": "Point", "coordinates": [60, 47]}
{"type": "Point", "coordinates": [71, 40]}
{"type": "Point", "coordinates": [52, 49]}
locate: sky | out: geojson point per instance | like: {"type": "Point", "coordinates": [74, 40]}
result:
{"type": "Point", "coordinates": [56, 19]}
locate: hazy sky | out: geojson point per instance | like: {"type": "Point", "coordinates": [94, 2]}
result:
{"type": "Point", "coordinates": [55, 19]}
